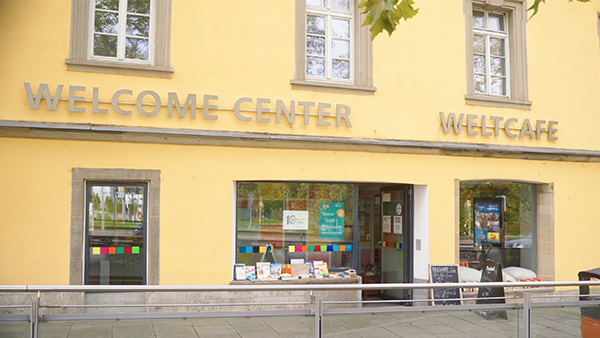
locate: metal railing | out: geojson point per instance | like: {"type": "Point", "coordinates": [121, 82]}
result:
{"type": "Point", "coordinates": [318, 310]}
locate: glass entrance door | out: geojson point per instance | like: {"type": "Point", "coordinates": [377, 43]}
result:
{"type": "Point", "coordinates": [396, 234]}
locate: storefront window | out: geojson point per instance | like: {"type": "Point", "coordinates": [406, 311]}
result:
{"type": "Point", "coordinates": [281, 221]}
{"type": "Point", "coordinates": [498, 222]}
{"type": "Point", "coordinates": [115, 234]}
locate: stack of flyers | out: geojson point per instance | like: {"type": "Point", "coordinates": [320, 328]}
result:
{"type": "Point", "coordinates": [276, 269]}
{"type": "Point", "coordinates": [250, 273]}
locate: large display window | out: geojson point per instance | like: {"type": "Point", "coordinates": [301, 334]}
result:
{"type": "Point", "coordinates": [498, 222]}
{"type": "Point", "coordinates": [281, 221]}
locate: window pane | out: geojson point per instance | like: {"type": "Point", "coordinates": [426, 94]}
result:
{"type": "Point", "coordinates": [340, 69]}
{"type": "Point", "coordinates": [479, 64]}
{"type": "Point", "coordinates": [517, 242]}
{"type": "Point", "coordinates": [496, 22]}
{"type": "Point", "coordinates": [315, 24]}
{"type": "Point", "coordinates": [138, 6]}
{"type": "Point", "coordinates": [105, 45]}
{"type": "Point", "coordinates": [478, 19]}
{"type": "Point", "coordinates": [136, 49]}
{"type": "Point", "coordinates": [340, 48]}
{"type": "Point", "coordinates": [479, 44]}
{"type": "Point", "coordinates": [112, 5]}
{"type": "Point", "coordinates": [315, 66]}
{"type": "Point", "coordinates": [260, 223]}
{"type": "Point", "coordinates": [340, 4]}
{"type": "Point", "coordinates": [116, 245]}
{"type": "Point", "coordinates": [340, 28]}
{"type": "Point", "coordinates": [498, 86]}
{"type": "Point", "coordinates": [138, 25]}
{"type": "Point", "coordinates": [497, 46]}
{"type": "Point", "coordinates": [480, 84]}
{"type": "Point", "coordinates": [106, 22]}
{"type": "Point", "coordinates": [498, 66]}
{"type": "Point", "coordinates": [315, 45]}
{"type": "Point", "coordinates": [317, 3]}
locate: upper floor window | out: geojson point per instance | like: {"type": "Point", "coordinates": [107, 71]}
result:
{"type": "Point", "coordinates": [328, 40]}
{"type": "Point", "coordinates": [333, 49]}
{"type": "Point", "coordinates": [122, 29]}
{"type": "Point", "coordinates": [496, 53]}
{"type": "Point", "coordinates": [121, 36]}
{"type": "Point", "coordinates": [490, 60]}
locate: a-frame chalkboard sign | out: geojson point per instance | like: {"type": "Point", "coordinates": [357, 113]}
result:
{"type": "Point", "coordinates": [445, 274]}
{"type": "Point", "coordinates": [491, 272]}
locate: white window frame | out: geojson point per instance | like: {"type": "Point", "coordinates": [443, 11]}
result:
{"type": "Point", "coordinates": [121, 35]}
{"type": "Point", "coordinates": [515, 12]}
{"type": "Point", "coordinates": [329, 14]}
{"type": "Point", "coordinates": [81, 44]}
{"type": "Point", "coordinates": [488, 33]}
{"type": "Point", "coordinates": [361, 56]}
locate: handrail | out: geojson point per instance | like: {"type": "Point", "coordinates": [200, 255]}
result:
{"type": "Point", "coordinates": [282, 287]}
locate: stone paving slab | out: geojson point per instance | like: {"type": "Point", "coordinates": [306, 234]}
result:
{"type": "Point", "coordinates": [546, 323]}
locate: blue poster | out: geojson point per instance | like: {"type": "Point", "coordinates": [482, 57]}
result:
{"type": "Point", "coordinates": [331, 222]}
{"type": "Point", "coordinates": [487, 222]}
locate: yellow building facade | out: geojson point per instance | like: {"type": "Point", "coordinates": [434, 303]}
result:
{"type": "Point", "coordinates": [192, 129]}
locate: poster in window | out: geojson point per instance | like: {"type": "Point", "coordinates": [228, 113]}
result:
{"type": "Point", "coordinates": [488, 220]}
{"type": "Point", "coordinates": [295, 220]}
{"type": "Point", "coordinates": [331, 222]}
{"type": "Point", "coordinates": [398, 225]}
{"type": "Point", "coordinates": [386, 225]}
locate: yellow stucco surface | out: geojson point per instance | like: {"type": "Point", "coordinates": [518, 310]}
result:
{"type": "Point", "coordinates": [241, 48]}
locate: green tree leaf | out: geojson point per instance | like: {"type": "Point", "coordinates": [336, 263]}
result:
{"type": "Point", "coordinates": [386, 14]}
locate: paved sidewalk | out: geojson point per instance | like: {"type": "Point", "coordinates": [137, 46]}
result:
{"type": "Point", "coordinates": [555, 322]}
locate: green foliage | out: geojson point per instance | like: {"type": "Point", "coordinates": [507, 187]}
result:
{"type": "Point", "coordinates": [386, 14]}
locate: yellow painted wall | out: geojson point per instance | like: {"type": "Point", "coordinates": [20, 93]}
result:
{"type": "Point", "coordinates": [196, 195]}
{"type": "Point", "coordinates": [220, 49]}
{"type": "Point", "coordinates": [241, 48]}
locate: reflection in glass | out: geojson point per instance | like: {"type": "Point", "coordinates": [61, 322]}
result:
{"type": "Point", "coordinates": [260, 216]}
{"type": "Point", "coordinates": [115, 245]}
{"type": "Point", "coordinates": [340, 48]}
{"type": "Point", "coordinates": [340, 69]}
{"type": "Point", "coordinates": [478, 19]}
{"type": "Point", "coordinates": [105, 45]}
{"type": "Point", "coordinates": [316, 3]}
{"type": "Point", "coordinates": [315, 24]}
{"type": "Point", "coordinates": [138, 6]}
{"type": "Point", "coordinates": [138, 25]}
{"type": "Point", "coordinates": [498, 86]}
{"type": "Point", "coordinates": [519, 238]}
{"type": "Point", "coordinates": [106, 22]}
{"type": "Point", "coordinates": [136, 49]}
{"type": "Point", "coordinates": [340, 4]}
{"type": "Point", "coordinates": [497, 46]}
{"type": "Point", "coordinates": [315, 66]}
{"type": "Point", "coordinates": [497, 66]}
{"type": "Point", "coordinates": [315, 45]}
{"type": "Point", "coordinates": [479, 64]}
{"type": "Point", "coordinates": [478, 44]}
{"type": "Point", "coordinates": [112, 5]}
{"type": "Point", "coordinates": [340, 28]}
{"type": "Point", "coordinates": [480, 84]}
{"type": "Point", "coordinates": [496, 22]}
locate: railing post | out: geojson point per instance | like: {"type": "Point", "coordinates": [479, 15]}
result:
{"type": "Point", "coordinates": [526, 314]}
{"type": "Point", "coordinates": [318, 316]}
{"type": "Point", "coordinates": [33, 318]}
